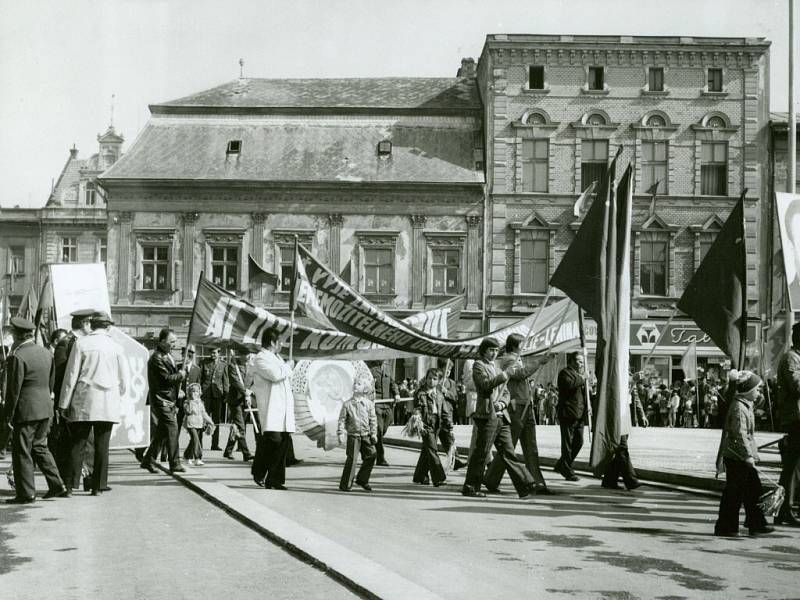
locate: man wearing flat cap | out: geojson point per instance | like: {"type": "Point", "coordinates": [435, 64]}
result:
{"type": "Point", "coordinates": [94, 383]}
{"type": "Point", "coordinates": [29, 409]}
{"type": "Point", "coordinates": [62, 444]}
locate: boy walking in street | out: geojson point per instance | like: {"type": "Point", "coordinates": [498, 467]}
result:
{"type": "Point", "coordinates": [358, 423]}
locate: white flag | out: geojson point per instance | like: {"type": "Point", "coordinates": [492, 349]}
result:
{"type": "Point", "coordinates": [576, 210]}
{"type": "Point", "coordinates": [689, 362]}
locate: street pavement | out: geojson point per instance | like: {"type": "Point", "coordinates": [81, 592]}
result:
{"type": "Point", "coordinates": [583, 542]}
{"type": "Point", "coordinates": [147, 539]}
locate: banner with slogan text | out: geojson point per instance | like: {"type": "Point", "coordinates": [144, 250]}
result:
{"type": "Point", "coordinates": [223, 320]}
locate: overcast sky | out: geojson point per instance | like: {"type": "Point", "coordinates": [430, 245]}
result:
{"type": "Point", "coordinates": [61, 61]}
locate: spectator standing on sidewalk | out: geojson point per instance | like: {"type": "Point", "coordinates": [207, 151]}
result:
{"type": "Point", "coordinates": [164, 378]}
{"type": "Point", "coordinates": [94, 383]}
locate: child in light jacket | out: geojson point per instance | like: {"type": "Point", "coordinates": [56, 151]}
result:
{"type": "Point", "coordinates": [359, 425]}
{"type": "Point", "coordinates": [195, 421]}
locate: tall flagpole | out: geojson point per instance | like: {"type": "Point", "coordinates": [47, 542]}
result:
{"type": "Point", "coordinates": [743, 326]}
{"type": "Point", "coordinates": [586, 390]}
{"type": "Point", "coordinates": [791, 185]}
{"type": "Point", "coordinates": [293, 298]}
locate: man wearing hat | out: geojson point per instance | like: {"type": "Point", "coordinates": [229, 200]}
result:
{"type": "Point", "coordinates": [492, 425]}
{"type": "Point", "coordinates": [789, 412]}
{"type": "Point", "coordinates": [90, 400]}
{"type": "Point", "coordinates": [29, 409]}
{"type": "Point", "coordinates": [81, 326]}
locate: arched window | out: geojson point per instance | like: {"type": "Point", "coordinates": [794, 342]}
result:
{"type": "Point", "coordinates": [656, 121]}
{"type": "Point", "coordinates": [715, 122]}
{"type": "Point", "coordinates": [535, 118]}
{"type": "Point", "coordinates": [596, 119]}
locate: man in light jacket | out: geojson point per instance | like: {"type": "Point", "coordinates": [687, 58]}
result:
{"type": "Point", "coordinates": [94, 382]}
{"type": "Point", "coordinates": [272, 386]}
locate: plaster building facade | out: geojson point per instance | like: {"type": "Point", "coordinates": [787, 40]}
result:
{"type": "Point", "coordinates": [381, 178]}
{"type": "Point", "coordinates": [689, 113]}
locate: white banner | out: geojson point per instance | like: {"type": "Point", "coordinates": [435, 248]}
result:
{"type": "Point", "coordinates": [78, 286]}
{"type": "Point", "coordinates": [788, 209]}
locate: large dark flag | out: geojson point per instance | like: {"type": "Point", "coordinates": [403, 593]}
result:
{"type": "Point", "coordinates": [595, 273]}
{"type": "Point", "coordinates": [716, 295]}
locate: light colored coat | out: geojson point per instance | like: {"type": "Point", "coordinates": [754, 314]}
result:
{"type": "Point", "coordinates": [272, 386]}
{"type": "Point", "coordinates": [95, 379]}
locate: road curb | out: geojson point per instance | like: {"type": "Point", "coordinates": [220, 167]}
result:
{"type": "Point", "coordinates": [358, 573]}
{"type": "Point", "coordinates": [693, 484]}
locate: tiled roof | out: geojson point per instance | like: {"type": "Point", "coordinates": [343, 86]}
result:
{"type": "Point", "coordinates": [65, 191]}
{"type": "Point", "coordinates": [430, 149]}
{"type": "Point", "coordinates": [387, 93]}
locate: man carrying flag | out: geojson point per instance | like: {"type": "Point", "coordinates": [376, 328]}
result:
{"type": "Point", "coordinates": [595, 273]}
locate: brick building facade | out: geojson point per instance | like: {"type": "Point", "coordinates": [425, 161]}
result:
{"type": "Point", "coordinates": [691, 113]}
{"type": "Point", "coordinates": [381, 178]}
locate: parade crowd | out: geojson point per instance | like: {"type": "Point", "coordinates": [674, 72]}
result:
{"type": "Point", "coordinates": [60, 404]}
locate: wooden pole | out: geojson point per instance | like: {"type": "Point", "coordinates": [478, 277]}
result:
{"type": "Point", "coordinates": [586, 389]}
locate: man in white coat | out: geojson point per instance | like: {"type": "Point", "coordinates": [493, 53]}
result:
{"type": "Point", "coordinates": [272, 387]}
{"type": "Point", "coordinates": [94, 382]}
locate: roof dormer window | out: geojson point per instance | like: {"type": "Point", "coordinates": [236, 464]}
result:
{"type": "Point", "coordinates": [234, 147]}
{"type": "Point", "coordinates": [384, 148]}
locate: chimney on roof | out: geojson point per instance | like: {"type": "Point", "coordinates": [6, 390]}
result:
{"type": "Point", "coordinates": [468, 68]}
{"type": "Point", "coordinates": [73, 152]}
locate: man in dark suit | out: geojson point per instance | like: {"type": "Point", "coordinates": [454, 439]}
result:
{"type": "Point", "coordinates": [491, 424]}
{"type": "Point", "coordinates": [28, 408]}
{"type": "Point", "coordinates": [571, 410]}
{"type": "Point", "coordinates": [164, 378]}
{"type": "Point", "coordinates": [385, 388]}
{"type": "Point", "coordinates": [214, 384]}
{"type": "Point", "coordinates": [523, 422]}
{"type": "Point", "coordinates": [789, 413]}
{"type": "Point", "coordinates": [61, 444]}
{"type": "Point", "coordinates": [237, 402]}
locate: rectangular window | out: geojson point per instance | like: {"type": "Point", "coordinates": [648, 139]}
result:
{"type": "Point", "coordinates": [714, 169]}
{"type": "Point", "coordinates": [445, 271]}
{"type": "Point", "coordinates": [69, 250]}
{"type": "Point", "coordinates": [534, 165]}
{"type": "Point", "coordinates": [225, 267]}
{"type": "Point", "coordinates": [16, 262]}
{"type": "Point", "coordinates": [654, 165]}
{"type": "Point", "coordinates": [594, 162]}
{"type": "Point", "coordinates": [90, 195]}
{"type": "Point", "coordinates": [536, 77]}
{"type": "Point", "coordinates": [654, 267]}
{"type": "Point", "coordinates": [705, 244]}
{"type": "Point", "coordinates": [715, 80]}
{"type": "Point", "coordinates": [655, 79]}
{"type": "Point", "coordinates": [102, 250]}
{"type": "Point", "coordinates": [378, 271]}
{"type": "Point", "coordinates": [534, 250]}
{"type": "Point", "coordinates": [595, 78]}
{"type": "Point", "coordinates": [287, 267]}
{"type": "Point", "coordinates": [155, 267]}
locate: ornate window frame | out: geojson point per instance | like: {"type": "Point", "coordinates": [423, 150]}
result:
{"type": "Point", "coordinates": [283, 244]}
{"type": "Point", "coordinates": [655, 227]}
{"type": "Point", "coordinates": [545, 89]}
{"type": "Point", "coordinates": [155, 236]}
{"type": "Point", "coordinates": [646, 91]}
{"type": "Point", "coordinates": [372, 239]}
{"type": "Point", "coordinates": [444, 240]}
{"type": "Point", "coordinates": [225, 237]}
{"type": "Point", "coordinates": [585, 90]}
{"type": "Point", "coordinates": [534, 222]}
{"type": "Point", "coordinates": [709, 230]}
{"type": "Point", "coordinates": [712, 94]}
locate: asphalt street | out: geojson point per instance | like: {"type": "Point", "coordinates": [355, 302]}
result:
{"type": "Point", "coordinates": [583, 542]}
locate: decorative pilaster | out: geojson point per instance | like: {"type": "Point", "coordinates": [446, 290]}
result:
{"type": "Point", "coordinates": [124, 257]}
{"type": "Point", "coordinates": [335, 241]}
{"type": "Point", "coordinates": [418, 252]}
{"type": "Point", "coordinates": [187, 281]}
{"type": "Point", "coordinates": [257, 250]}
{"type": "Point", "coordinates": [473, 261]}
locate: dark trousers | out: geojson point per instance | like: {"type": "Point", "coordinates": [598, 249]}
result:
{"type": "Point", "coordinates": [571, 444]}
{"type": "Point", "coordinates": [790, 473]}
{"type": "Point", "coordinates": [383, 412]}
{"type": "Point", "coordinates": [60, 444]}
{"type": "Point", "coordinates": [742, 486]}
{"type": "Point", "coordinates": [429, 459]}
{"type": "Point", "coordinates": [357, 444]}
{"type": "Point", "coordinates": [166, 434]}
{"type": "Point", "coordinates": [195, 448]}
{"type": "Point", "coordinates": [215, 408]}
{"type": "Point", "coordinates": [79, 431]}
{"type": "Point", "coordinates": [523, 429]}
{"type": "Point", "coordinates": [29, 447]}
{"type": "Point", "coordinates": [620, 465]}
{"type": "Point", "coordinates": [269, 464]}
{"type": "Point", "coordinates": [237, 418]}
{"type": "Point", "coordinates": [494, 431]}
